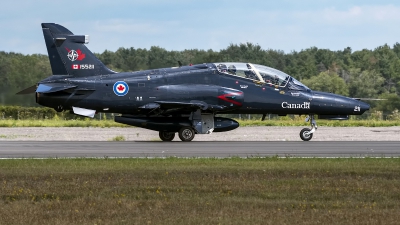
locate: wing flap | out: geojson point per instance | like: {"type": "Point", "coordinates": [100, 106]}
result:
{"type": "Point", "coordinates": [192, 104]}
{"type": "Point", "coordinates": [167, 107]}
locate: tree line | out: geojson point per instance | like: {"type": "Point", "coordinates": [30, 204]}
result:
{"type": "Point", "coordinates": [361, 74]}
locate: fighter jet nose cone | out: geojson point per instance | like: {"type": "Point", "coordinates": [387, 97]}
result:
{"type": "Point", "coordinates": [364, 107]}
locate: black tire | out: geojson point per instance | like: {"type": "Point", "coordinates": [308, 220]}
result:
{"type": "Point", "coordinates": [305, 134]}
{"type": "Point", "coordinates": [186, 133]}
{"type": "Point", "coordinates": [166, 136]}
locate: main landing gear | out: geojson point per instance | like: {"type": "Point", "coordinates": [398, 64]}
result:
{"type": "Point", "coordinates": [166, 136]}
{"type": "Point", "coordinates": [306, 134]}
{"type": "Point", "coordinates": [185, 134]}
{"type": "Point", "coordinates": [196, 123]}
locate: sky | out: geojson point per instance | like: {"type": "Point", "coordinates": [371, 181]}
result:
{"type": "Point", "coordinates": [288, 25]}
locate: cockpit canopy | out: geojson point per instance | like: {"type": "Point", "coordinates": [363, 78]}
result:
{"type": "Point", "coordinates": [260, 73]}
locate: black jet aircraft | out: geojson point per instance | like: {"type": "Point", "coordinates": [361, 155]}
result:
{"type": "Point", "coordinates": [185, 100]}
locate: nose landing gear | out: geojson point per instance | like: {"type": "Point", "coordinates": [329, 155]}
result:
{"type": "Point", "coordinates": [306, 134]}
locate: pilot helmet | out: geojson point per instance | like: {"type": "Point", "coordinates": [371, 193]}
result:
{"type": "Point", "coordinates": [232, 69]}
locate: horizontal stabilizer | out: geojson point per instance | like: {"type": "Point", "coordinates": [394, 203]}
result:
{"type": "Point", "coordinates": [84, 112]}
{"type": "Point", "coordinates": [29, 90]}
{"type": "Point", "coordinates": [53, 87]}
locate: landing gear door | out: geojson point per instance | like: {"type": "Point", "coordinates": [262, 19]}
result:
{"type": "Point", "coordinates": [202, 123]}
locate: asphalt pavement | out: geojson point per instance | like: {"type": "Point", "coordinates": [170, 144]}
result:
{"type": "Point", "coordinates": [62, 149]}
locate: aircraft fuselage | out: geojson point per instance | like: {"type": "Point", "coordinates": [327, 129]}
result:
{"type": "Point", "coordinates": [184, 84]}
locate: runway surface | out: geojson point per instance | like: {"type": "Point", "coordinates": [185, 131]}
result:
{"type": "Point", "coordinates": [61, 149]}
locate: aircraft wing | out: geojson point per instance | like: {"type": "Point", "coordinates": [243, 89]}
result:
{"type": "Point", "coordinates": [175, 105]}
{"type": "Point", "coordinates": [171, 106]}
{"type": "Point", "coordinates": [191, 104]}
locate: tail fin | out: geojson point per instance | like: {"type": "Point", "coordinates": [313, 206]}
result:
{"type": "Point", "coordinates": [68, 54]}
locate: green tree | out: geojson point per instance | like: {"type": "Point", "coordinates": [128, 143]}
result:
{"type": "Point", "coordinates": [396, 49]}
{"type": "Point", "coordinates": [391, 103]}
{"type": "Point", "coordinates": [303, 64]}
{"type": "Point", "coordinates": [364, 59]}
{"type": "Point", "coordinates": [243, 53]}
{"type": "Point", "coordinates": [388, 65]}
{"type": "Point", "coordinates": [327, 82]}
{"type": "Point", "coordinates": [365, 84]}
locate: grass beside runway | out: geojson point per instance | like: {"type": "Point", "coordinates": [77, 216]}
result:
{"type": "Point", "coordinates": [200, 191]}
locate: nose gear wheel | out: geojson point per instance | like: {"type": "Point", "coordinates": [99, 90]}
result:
{"type": "Point", "coordinates": [306, 134]}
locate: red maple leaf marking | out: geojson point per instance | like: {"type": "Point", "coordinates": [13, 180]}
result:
{"type": "Point", "coordinates": [121, 87]}
{"type": "Point", "coordinates": [80, 55]}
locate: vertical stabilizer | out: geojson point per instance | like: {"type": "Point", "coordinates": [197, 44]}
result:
{"type": "Point", "coordinates": [68, 54]}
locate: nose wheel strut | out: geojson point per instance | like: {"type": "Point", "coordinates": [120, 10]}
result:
{"type": "Point", "coordinates": [306, 134]}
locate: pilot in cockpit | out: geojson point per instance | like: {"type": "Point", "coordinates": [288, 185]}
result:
{"type": "Point", "coordinates": [222, 68]}
{"type": "Point", "coordinates": [232, 69]}
{"type": "Point", "coordinates": [275, 80]}
{"type": "Point", "coordinates": [250, 73]}
{"type": "Point", "coordinates": [267, 78]}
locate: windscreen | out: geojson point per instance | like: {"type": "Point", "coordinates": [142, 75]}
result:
{"type": "Point", "coordinates": [297, 85]}
{"type": "Point", "coordinates": [272, 76]}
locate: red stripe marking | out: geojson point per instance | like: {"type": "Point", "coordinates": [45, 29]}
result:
{"type": "Point", "coordinates": [224, 97]}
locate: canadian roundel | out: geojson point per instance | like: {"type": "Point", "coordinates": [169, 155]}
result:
{"type": "Point", "coordinates": [121, 88]}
